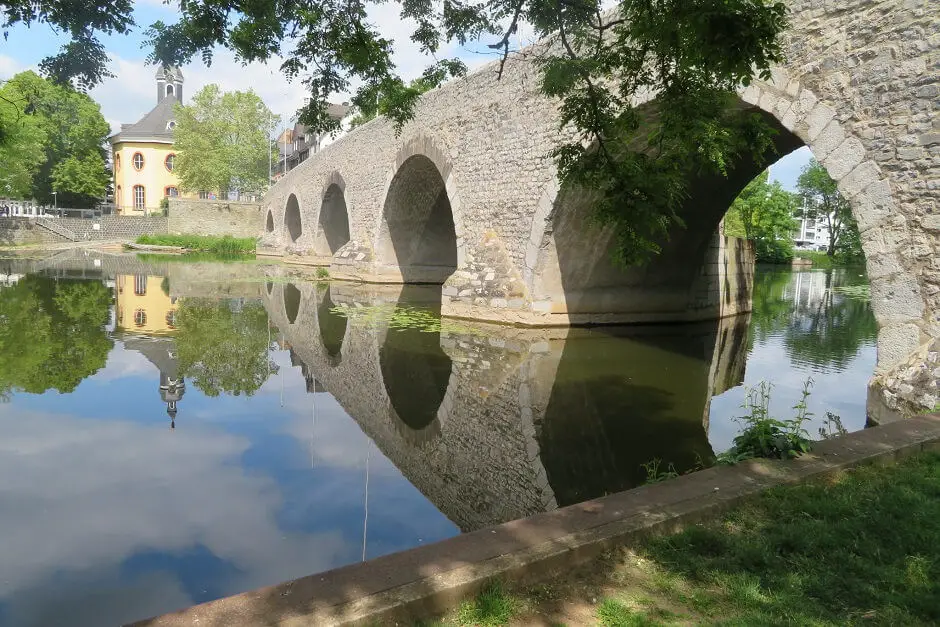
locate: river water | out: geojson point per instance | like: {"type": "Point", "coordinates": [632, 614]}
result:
{"type": "Point", "coordinates": [175, 432]}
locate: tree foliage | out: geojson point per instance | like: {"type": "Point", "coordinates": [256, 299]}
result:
{"type": "Point", "coordinates": [692, 54]}
{"type": "Point", "coordinates": [763, 212]}
{"type": "Point", "coordinates": [223, 349]}
{"type": "Point", "coordinates": [52, 334]}
{"type": "Point", "coordinates": [53, 142]}
{"type": "Point", "coordinates": [822, 201]}
{"type": "Point", "coordinates": [222, 141]}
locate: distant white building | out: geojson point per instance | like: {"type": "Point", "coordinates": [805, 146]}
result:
{"type": "Point", "coordinates": [812, 234]}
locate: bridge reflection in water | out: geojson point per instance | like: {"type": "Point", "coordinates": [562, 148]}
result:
{"type": "Point", "coordinates": [496, 423]}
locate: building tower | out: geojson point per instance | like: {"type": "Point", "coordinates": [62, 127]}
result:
{"type": "Point", "coordinates": [169, 83]}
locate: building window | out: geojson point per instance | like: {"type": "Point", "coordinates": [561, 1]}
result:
{"type": "Point", "coordinates": [169, 162]}
{"type": "Point", "coordinates": [170, 125]}
{"type": "Point", "coordinates": [203, 195]}
{"type": "Point", "coordinates": [169, 90]}
{"type": "Point", "coordinates": [118, 199]}
{"type": "Point", "coordinates": [140, 284]}
{"type": "Point", "coordinates": [117, 162]}
{"type": "Point", "coordinates": [140, 317]}
{"type": "Point", "coordinates": [171, 318]}
{"type": "Point", "coordinates": [138, 161]}
{"type": "Point", "coordinates": [171, 192]}
{"type": "Point", "coordinates": [140, 199]}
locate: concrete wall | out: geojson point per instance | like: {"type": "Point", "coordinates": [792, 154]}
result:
{"type": "Point", "coordinates": [215, 217]}
{"type": "Point", "coordinates": [859, 88]}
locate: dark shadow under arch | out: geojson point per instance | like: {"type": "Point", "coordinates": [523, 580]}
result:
{"type": "Point", "coordinates": [576, 263]}
{"type": "Point", "coordinates": [292, 297]}
{"type": "Point", "coordinates": [333, 225]}
{"type": "Point", "coordinates": [269, 222]}
{"type": "Point", "coordinates": [332, 328]}
{"type": "Point", "coordinates": [292, 220]}
{"type": "Point", "coordinates": [418, 234]}
{"type": "Point", "coordinates": [415, 369]}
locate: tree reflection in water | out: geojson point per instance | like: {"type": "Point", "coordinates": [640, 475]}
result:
{"type": "Point", "coordinates": [52, 333]}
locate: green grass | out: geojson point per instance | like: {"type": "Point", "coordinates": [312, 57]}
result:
{"type": "Point", "coordinates": [863, 549]}
{"type": "Point", "coordinates": [613, 613]}
{"type": "Point", "coordinates": [225, 245]}
{"type": "Point", "coordinates": [492, 607]}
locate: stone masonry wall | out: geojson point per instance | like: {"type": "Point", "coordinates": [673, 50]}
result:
{"type": "Point", "coordinates": [860, 88]}
{"type": "Point", "coordinates": [32, 231]}
{"type": "Point", "coordinates": [214, 217]}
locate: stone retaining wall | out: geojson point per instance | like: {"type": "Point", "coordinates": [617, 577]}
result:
{"type": "Point", "coordinates": [215, 217]}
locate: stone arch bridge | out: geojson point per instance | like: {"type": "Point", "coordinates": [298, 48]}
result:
{"type": "Point", "coordinates": [467, 196]}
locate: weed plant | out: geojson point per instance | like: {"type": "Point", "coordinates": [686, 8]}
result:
{"type": "Point", "coordinates": [766, 436]}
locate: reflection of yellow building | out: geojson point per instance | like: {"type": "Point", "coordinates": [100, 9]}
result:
{"type": "Point", "coordinates": [143, 153]}
{"type": "Point", "coordinates": [144, 304]}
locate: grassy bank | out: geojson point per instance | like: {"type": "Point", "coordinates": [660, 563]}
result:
{"type": "Point", "coordinates": [225, 245]}
{"type": "Point", "coordinates": [860, 549]}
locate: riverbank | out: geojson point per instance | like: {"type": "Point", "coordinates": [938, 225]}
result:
{"type": "Point", "coordinates": [862, 546]}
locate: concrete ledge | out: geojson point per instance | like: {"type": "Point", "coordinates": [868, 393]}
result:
{"type": "Point", "coordinates": [432, 579]}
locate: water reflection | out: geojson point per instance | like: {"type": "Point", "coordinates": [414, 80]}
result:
{"type": "Point", "coordinates": [332, 325]}
{"type": "Point", "coordinates": [293, 406]}
{"type": "Point", "coordinates": [414, 367]}
{"type": "Point", "coordinates": [493, 423]}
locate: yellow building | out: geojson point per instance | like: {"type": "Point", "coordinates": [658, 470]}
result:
{"type": "Point", "coordinates": [143, 153]}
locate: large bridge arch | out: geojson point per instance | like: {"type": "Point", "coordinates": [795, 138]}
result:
{"type": "Point", "coordinates": [419, 233]}
{"type": "Point", "coordinates": [293, 218]}
{"type": "Point", "coordinates": [333, 221]}
{"type": "Point", "coordinates": [801, 118]}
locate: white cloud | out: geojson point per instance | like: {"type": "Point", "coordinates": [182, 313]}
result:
{"type": "Point", "coordinates": [9, 66]}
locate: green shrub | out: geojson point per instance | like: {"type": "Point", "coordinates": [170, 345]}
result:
{"type": "Point", "coordinates": [322, 273]}
{"type": "Point", "coordinates": [225, 245]}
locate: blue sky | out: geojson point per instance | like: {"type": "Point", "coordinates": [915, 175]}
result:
{"type": "Point", "coordinates": [131, 93]}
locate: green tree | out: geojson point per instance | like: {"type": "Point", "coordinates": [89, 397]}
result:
{"type": "Point", "coordinates": [385, 99]}
{"type": "Point", "coordinates": [222, 141]}
{"type": "Point", "coordinates": [223, 349]}
{"type": "Point", "coordinates": [58, 133]}
{"type": "Point", "coordinates": [693, 54]}
{"type": "Point", "coordinates": [52, 334]}
{"type": "Point", "coordinates": [21, 151]}
{"type": "Point", "coordinates": [763, 212]}
{"type": "Point", "coordinates": [822, 201]}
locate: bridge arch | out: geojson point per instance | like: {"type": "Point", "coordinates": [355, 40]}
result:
{"type": "Point", "coordinates": [561, 272]}
{"type": "Point", "coordinates": [293, 222]}
{"type": "Point", "coordinates": [269, 222]}
{"type": "Point", "coordinates": [333, 221]}
{"type": "Point", "coordinates": [420, 230]}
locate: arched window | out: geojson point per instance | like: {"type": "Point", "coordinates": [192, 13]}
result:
{"type": "Point", "coordinates": [140, 317]}
{"type": "Point", "coordinates": [170, 162]}
{"type": "Point", "coordinates": [169, 90]}
{"type": "Point", "coordinates": [138, 161]}
{"type": "Point", "coordinates": [171, 192]}
{"type": "Point", "coordinates": [117, 162]}
{"type": "Point", "coordinates": [118, 196]}
{"type": "Point", "coordinates": [140, 198]}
